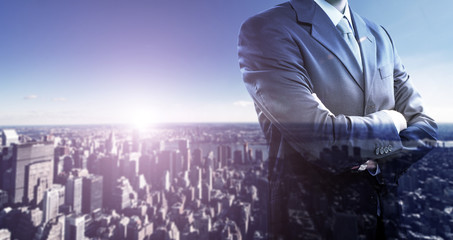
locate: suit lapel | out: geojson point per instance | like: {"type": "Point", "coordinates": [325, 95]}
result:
{"type": "Point", "coordinates": [327, 35]}
{"type": "Point", "coordinates": [367, 44]}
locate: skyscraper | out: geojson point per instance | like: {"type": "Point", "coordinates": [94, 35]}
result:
{"type": "Point", "coordinates": [238, 157]}
{"type": "Point", "coordinates": [258, 155]}
{"type": "Point", "coordinates": [123, 195]}
{"type": "Point", "coordinates": [223, 155]}
{"type": "Point", "coordinates": [50, 204]}
{"type": "Point", "coordinates": [92, 193]}
{"type": "Point", "coordinates": [108, 167]}
{"type": "Point", "coordinates": [31, 172]}
{"type": "Point", "coordinates": [184, 149]}
{"type": "Point", "coordinates": [171, 161]}
{"type": "Point", "coordinates": [135, 231]}
{"type": "Point", "coordinates": [9, 136]}
{"type": "Point", "coordinates": [73, 193]}
{"type": "Point", "coordinates": [3, 198]}
{"type": "Point", "coordinates": [246, 153]}
{"type": "Point", "coordinates": [198, 157]}
{"type": "Point", "coordinates": [110, 144]}
{"type": "Point", "coordinates": [75, 227]}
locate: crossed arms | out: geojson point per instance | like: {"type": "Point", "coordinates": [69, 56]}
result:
{"type": "Point", "coordinates": [277, 79]}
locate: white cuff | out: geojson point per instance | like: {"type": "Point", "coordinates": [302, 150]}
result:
{"type": "Point", "coordinates": [376, 172]}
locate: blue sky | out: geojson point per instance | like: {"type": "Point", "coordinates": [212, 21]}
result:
{"type": "Point", "coordinates": [111, 61]}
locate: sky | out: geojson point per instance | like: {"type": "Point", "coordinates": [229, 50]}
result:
{"type": "Point", "coordinates": [117, 61]}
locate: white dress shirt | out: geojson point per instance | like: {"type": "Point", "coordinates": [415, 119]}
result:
{"type": "Point", "coordinates": [333, 13]}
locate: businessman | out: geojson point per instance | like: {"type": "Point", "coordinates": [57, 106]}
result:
{"type": "Point", "coordinates": [341, 116]}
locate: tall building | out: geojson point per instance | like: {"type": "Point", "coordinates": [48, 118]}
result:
{"type": "Point", "coordinates": [3, 198]}
{"type": "Point", "coordinates": [223, 155]}
{"type": "Point", "coordinates": [68, 163]}
{"type": "Point", "coordinates": [184, 149]}
{"type": "Point", "coordinates": [238, 157]}
{"type": "Point", "coordinates": [110, 144]}
{"type": "Point", "coordinates": [170, 160]}
{"type": "Point", "coordinates": [206, 193]}
{"type": "Point", "coordinates": [135, 231]}
{"type": "Point", "coordinates": [61, 189]}
{"type": "Point", "coordinates": [210, 176]}
{"type": "Point", "coordinates": [146, 166]}
{"type": "Point", "coordinates": [195, 176]}
{"type": "Point", "coordinates": [5, 165]}
{"type": "Point", "coordinates": [92, 193]}
{"type": "Point", "coordinates": [166, 181]}
{"type": "Point", "coordinates": [9, 136]}
{"type": "Point", "coordinates": [109, 170]}
{"type": "Point", "coordinates": [121, 232]}
{"type": "Point", "coordinates": [240, 213]}
{"type": "Point", "coordinates": [258, 155]}
{"type": "Point", "coordinates": [54, 229]}
{"type": "Point", "coordinates": [59, 154]}
{"type": "Point", "coordinates": [73, 194]}
{"type": "Point", "coordinates": [32, 172]}
{"type": "Point", "coordinates": [246, 153]}
{"type": "Point", "coordinates": [129, 165]}
{"type": "Point", "coordinates": [180, 146]}
{"type": "Point", "coordinates": [198, 157]}
{"type": "Point", "coordinates": [122, 194]}
{"type": "Point", "coordinates": [50, 204]}
{"type": "Point", "coordinates": [75, 227]}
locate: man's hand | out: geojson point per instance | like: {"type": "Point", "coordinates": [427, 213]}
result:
{"type": "Point", "coordinates": [369, 165]}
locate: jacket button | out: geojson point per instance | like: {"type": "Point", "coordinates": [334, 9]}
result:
{"type": "Point", "coordinates": [390, 148]}
{"type": "Point", "coordinates": [386, 149]}
{"type": "Point", "coordinates": [381, 150]}
{"type": "Point", "coordinates": [377, 151]}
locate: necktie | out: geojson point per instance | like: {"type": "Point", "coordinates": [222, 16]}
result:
{"type": "Point", "coordinates": [348, 36]}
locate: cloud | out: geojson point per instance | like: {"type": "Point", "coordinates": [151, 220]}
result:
{"type": "Point", "coordinates": [243, 103]}
{"type": "Point", "coordinates": [59, 99]}
{"type": "Point", "coordinates": [30, 97]}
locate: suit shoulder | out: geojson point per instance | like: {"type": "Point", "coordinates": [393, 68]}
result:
{"type": "Point", "coordinates": [379, 32]}
{"type": "Point", "coordinates": [279, 16]}
{"type": "Point", "coordinates": [376, 29]}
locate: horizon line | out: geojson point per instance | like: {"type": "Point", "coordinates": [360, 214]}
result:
{"type": "Point", "coordinates": [116, 124]}
{"type": "Point", "coordinates": [132, 125]}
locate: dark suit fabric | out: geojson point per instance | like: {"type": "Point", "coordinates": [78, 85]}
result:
{"type": "Point", "coordinates": [293, 50]}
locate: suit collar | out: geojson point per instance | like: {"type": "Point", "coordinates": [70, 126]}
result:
{"type": "Point", "coordinates": [305, 10]}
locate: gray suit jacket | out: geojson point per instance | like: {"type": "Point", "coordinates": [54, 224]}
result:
{"type": "Point", "coordinates": [293, 50]}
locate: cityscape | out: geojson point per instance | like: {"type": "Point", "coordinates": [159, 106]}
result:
{"type": "Point", "coordinates": [174, 181]}
{"type": "Point", "coordinates": [130, 120]}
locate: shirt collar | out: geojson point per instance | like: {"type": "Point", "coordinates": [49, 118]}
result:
{"type": "Point", "coordinates": [333, 13]}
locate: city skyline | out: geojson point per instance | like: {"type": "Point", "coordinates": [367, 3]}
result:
{"type": "Point", "coordinates": [178, 183]}
{"type": "Point", "coordinates": [144, 62]}
{"type": "Point", "coordinates": [182, 182]}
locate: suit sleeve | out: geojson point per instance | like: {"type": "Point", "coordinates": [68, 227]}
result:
{"type": "Point", "coordinates": [276, 78]}
{"type": "Point", "coordinates": [420, 135]}
{"type": "Point", "coordinates": [409, 103]}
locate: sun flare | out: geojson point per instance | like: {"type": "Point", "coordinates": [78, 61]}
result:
{"type": "Point", "coordinates": [142, 119]}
